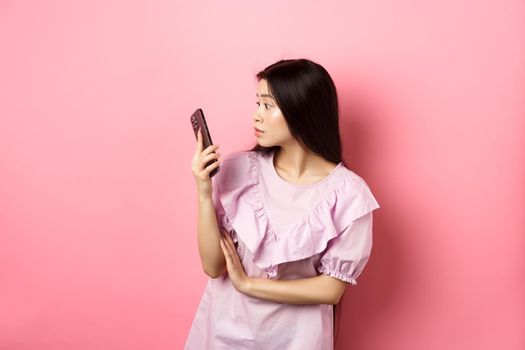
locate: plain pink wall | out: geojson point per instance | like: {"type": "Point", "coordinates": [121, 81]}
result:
{"type": "Point", "coordinates": [97, 200]}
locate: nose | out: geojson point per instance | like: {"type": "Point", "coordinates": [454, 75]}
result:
{"type": "Point", "coordinates": [256, 116]}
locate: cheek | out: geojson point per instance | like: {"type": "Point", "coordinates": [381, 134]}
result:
{"type": "Point", "coordinates": [278, 119]}
{"type": "Point", "coordinates": [281, 127]}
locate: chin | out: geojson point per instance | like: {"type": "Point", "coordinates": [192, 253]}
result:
{"type": "Point", "coordinates": [265, 144]}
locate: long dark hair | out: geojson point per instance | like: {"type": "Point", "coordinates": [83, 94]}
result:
{"type": "Point", "coordinates": [306, 95]}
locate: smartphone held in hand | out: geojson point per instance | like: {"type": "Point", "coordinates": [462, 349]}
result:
{"type": "Point", "coordinates": [199, 122]}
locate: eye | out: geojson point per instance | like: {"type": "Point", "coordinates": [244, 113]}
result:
{"type": "Point", "coordinates": [266, 105]}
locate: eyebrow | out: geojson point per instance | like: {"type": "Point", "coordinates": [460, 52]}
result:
{"type": "Point", "coordinates": [266, 95]}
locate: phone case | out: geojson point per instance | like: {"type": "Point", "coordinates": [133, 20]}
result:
{"type": "Point", "coordinates": [198, 121]}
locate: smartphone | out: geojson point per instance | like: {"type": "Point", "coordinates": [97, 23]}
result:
{"type": "Point", "coordinates": [198, 121]}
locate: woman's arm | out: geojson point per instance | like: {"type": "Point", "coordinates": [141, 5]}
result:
{"type": "Point", "coordinates": [208, 235]}
{"type": "Point", "coordinates": [321, 289]}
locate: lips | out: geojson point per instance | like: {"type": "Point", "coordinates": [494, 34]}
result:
{"type": "Point", "coordinates": [256, 129]}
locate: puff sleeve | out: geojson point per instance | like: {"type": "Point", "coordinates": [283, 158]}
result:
{"type": "Point", "coordinates": [218, 183]}
{"type": "Point", "coordinates": [220, 213]}
{"type": "Point", "coordinates": [347, 254]}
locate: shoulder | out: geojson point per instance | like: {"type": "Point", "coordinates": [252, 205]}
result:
{"type": "Point", "coordinates": [237, 161]}
{"type": "Point", "coordinates": [236, 169]}
{"type": "Point", "coordinates": [353, 196]}
{"type": "Point", "coordinates": [353, 179]}
{"type": "Point", "coordinates": [239, 156]}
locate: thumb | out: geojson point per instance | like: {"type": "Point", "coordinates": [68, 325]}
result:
{"type": "Point", "coordinates": [199, 140]}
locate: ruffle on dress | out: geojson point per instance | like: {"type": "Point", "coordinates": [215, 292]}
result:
{"type": "Point", "coordinates": [238, 191]}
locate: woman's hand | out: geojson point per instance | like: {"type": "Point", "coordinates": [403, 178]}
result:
{"type": "Point", "coordinates": [233, 264]}
{"type": "Point", "coordinates": [200, 171]}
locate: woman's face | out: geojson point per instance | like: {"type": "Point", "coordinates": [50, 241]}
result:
{"type": "Point", "coordinates": [269, 119]}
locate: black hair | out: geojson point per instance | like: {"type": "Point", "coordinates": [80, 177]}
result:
{"type": "Point", "coordinates": [306, 95]}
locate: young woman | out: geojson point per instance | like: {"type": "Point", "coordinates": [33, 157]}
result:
{"type": "Point", "coordinates": [284, 227]}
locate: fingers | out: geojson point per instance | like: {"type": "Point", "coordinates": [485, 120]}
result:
{"type": "Point", "coordinates": [210, 167]}
{"type": "Point", "coordinates": [199, 141]}
{"type": "Point", "coordinates": [200, 167]}
{"type": "Point", "coordinates": [206, 155]}
{"type": "Point", "coordinates": [229, 240]}
{"type": "Point", "coordinates": [225, 251]}
{"type": "Point", "coordinates": [211, 156]}
{"type": "Point", "coordinates": [199, 149]}
{"type": "Point", "coordinates": [229, 247]}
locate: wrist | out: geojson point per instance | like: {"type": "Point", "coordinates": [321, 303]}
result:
{"type": "Point", "coordinates": [247, 285]}
{"type": "Point", "coordinates": [204, 197]}
{"type": "Point", "coordinates": [204, 187]}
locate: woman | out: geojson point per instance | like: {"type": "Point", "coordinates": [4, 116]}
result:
{"type": "Point", "coordinates": [283, 227]}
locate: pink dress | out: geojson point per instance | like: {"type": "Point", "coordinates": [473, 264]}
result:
{"type": "Point", "coordinates": [282, 231]}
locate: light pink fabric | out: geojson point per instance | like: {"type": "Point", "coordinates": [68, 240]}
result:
{"type": "Point", "coordinates": [282, 231]}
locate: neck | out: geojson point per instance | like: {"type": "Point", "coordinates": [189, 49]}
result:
{"type": "Point", "coordinates": [298, 162]}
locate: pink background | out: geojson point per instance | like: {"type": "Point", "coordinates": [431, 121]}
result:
{"type": "Point", "coordinates": [97, 200]}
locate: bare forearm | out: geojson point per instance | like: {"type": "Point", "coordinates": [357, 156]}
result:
{"type": "Point", "coordinates": [210, 252]}
{"type": "Point", "coordinates": [320, 289]}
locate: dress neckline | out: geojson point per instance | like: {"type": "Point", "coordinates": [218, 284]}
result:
{"type": "Point", "coordinates": [280, 179]}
